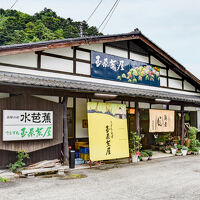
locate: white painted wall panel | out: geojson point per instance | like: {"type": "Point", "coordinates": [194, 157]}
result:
{"type": "Point", "coordinates": [163, 82]}
{"type": "Point", "coordinates": [94, 47]}
{"type": "Point", "coordinates": [138, 57]}
{"type": "Point", "coordinates": [70, 102]}
{"type": "Point", "coordinates": [83, 55]}
{"type": "Point", "coordinates": [49, 98]}
{"type": "Point", "coordinates": [173, 107]}
{"type": "Point", "coordinates": [4, 95]}
{"type": "Point", "coordinates": [173, 74]}
{"type": "Point", "coordinates": [67, 51]}
{"type": "Point", "coordinates": [56, 64]}
{"type": "Point", "coordinates": [132, 104]}
{"type": "Point", "coordinates": [81, 114]}
{"type": "Point", "coordinates": [198, 119]}
{"type": "Point", "coordinates": [188, 86]}
{"type": "Point", "coordinates": [155, 61]}
{"type": "Point", "coordinates": [163, 72]}
{"type": "Point", "coordinates": [175, 83]}
{"type": "Point", "coordinates": [82, 68]}
{"type": "Point", "coordinates": [189, 108]}
{"type": "Point", "coordinates": [25, 59]}
{"type": "Point", "coordinates": [117, 52]}
{"type": "Point", "coordinates": [144, 105]}
{"type": "Point", "coordinates": [158, 106]}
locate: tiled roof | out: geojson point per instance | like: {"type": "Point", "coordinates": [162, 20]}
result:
{"type": "Point", "coordinates": [78, 86]}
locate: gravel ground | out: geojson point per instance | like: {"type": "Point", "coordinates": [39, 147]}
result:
{"type": "Point", "coordinates": [171, 178]}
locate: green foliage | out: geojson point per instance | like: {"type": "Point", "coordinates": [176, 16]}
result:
{"type": "Point", "coordinates": [134, 143]}
{"type": "Point", "coordinates": [149, 152]}
{"type": "Point", "coordinates": [17, 27]}
{"type": "Point", "coordinates": [192, 132]}
{"type": "Point", "coordinates": [163, 138]}
{"type": "Point", "coordinates": [3, 179]}
{"type": "Point", "coordinates": [144, 154]}
{"type": "Point", "coordinates": [184, 148]}
{"type": "Point", "coordinates": [19, 164]}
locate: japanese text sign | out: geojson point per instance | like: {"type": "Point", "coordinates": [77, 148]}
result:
{"type": "Point", "coordinates": [116, 68]}
{"type": "Point", "coordinates": [161, 120]}
{"type": "Point", "coordinates": [107, 126]}
{"type": "Point", "coordinates": [27, 125]}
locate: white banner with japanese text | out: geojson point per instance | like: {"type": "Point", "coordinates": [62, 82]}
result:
{"type": "Point", "coordinates": [161, 120]}
{"type": "Point", "coordinates": [27, 125]}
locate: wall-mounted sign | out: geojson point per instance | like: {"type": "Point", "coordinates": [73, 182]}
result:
{"type": "Point", "coordinates": [27, 125]}
{"type": "Point", "coordinates": [161, 120]}
{"type": "Point", "coordinates": [107, 129]}
{"type": "Point", "coordinates": [116, 68]}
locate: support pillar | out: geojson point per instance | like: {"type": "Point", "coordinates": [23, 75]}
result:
{"type": "Point", "coordinates": [137, 118]}
{"type": "Point", "coordinates": [65, 131]}
{"type": "Point", "coordinates": [182, 125]}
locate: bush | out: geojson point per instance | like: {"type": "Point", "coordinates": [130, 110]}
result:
{"type": "Point", "coordinates": [19, 164]}
{"type": "Point", "coordinates": [3, 179]}
{"type": "Point", "coordinates": [144, 154]}
{"type": "Point", "coordinates": [149, 152]}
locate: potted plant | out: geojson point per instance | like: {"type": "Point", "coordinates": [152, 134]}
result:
{"type": "Point", "coordinates": [167, 149]}
{"type": "Point", "coordinates": [144, 156]}
{"type": "Point", "coordinates": [174, 150]}
{"type": "Point", "coordinates": [195, 150]}
{"type": "Point", "coordinates": [149, 152]}
{"type": "Point", "coordinates": [184, 150]}
{"type": "Point", "coordinates": [134, 146]}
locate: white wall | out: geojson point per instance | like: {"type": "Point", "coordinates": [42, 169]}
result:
{"type": "Point", "coordinates": [94, 47]}
{"type": "Point", "coordinates": [173, 74]}
{"type": "Point", "coordinates": [173, 107]}
{"type": "Point", "coordinates": [175, 83]}
{"type": "Point", "coordinates": [155, 61]}
{"type": "Point", "coordinates": [116, 52]}
{"type": "Point", "coordinates": [158, 106]}
{"type": "Point", "coordinates": [144, 105]}
{"type": "Point", "coordinates": [198, 119]}
{"type": "Point", "coordinates": [4, 95]}
{"type": "Point", "coordinates": [67, 51]}
{"type": "Point", "coordinates": [138, 57]}
{"type": "Point", "coordinates": [81, 114]}
{"type": "Point", "coordinates": [83, 55]}
{"type": "Point", "coordinates": [188, 86]}
{"type": "Point", "coordinates": [163, 82]}
{"type": "Point", "coordinates": [49, 98]}
{"type": "Point", "coordinates": [83, 68]}
{"type": "Point", "coordinates": [24, 59]}
{"type": "Point", "coordinates": [58, 64]}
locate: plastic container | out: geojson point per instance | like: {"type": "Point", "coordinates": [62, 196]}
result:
{"type": "Point", "coordinates": [84, 150]}
{"type": "Point", "coordinates": [79, 144]}
{"type": "Point", "coordinates": [76, 154]}
{"type": "Point", "coordinates": [86, 157]}
{"type": "Point", "coordinates": [79, 161]}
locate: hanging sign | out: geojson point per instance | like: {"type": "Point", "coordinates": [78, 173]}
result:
{"type": "Point", "coordinates": [161, 120]}
{"type": "Point", "coordinates": [116, 68]}
{"type": "Point", "coordinates": [27, 125]}
{"type": "Point", "coordinates": [107, 126]}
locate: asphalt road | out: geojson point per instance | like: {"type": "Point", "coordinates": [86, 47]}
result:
{"type": "Point", "coordinates": [171, 178]}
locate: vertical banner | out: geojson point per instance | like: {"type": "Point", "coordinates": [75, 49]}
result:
{"type": "Point", "coordinates": [107, 129]}
{"type": "Point", "coordinates": [161, 120]}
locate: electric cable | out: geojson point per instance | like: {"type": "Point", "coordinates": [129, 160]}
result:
{"type": "Point", "coordinates": [94, 11]}
{"type": "Point", "coordinates": [13, 4]}
{"type": "Point", "coordinates": [108, 14]}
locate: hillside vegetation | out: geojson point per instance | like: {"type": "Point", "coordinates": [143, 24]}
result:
{"type": "Point", "coordinates": [17, 27]}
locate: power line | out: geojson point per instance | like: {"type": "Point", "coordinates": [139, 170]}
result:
{"type": "Point", "coordinates": [13, 4]}
{"type": "Point", "coordinates": [110, 16]}
{"type": "Point", "coordinates": [94, 11]}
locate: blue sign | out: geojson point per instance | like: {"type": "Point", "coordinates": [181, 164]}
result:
{"type": "Point", "coordinates": [116, 68]}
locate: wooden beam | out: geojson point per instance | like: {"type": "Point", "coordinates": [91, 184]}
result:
{"type": "Point", "coordinates": [182, 125]}
{"type": "Point", "coordinates": [65, 131]}
{"type": "Point", "coordinates": [137, 118]}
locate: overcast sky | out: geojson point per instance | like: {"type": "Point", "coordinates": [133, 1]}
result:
{"type": "Point", "coordinates": [174, 25]}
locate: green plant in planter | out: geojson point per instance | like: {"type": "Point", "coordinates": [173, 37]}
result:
{"type": "Point", "coordinates": [134, 143]}
{"type": "Point", "coordinates": [19, 164]}
{"type": "Point", "coordinates": [192, 132]}
{"type": "Point", "coordinates": [194, 149]}
{"type": "Point", "coordinates": [144, 154]}
{"type": "Point", "coordinates": [179, 146]}
{"type": "Point", "coordinates": [149, 152]}
{"type": "Point", "coordinates": [184, 148]}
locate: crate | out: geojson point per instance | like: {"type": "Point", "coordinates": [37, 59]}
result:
{"type": "Point", "coordinates": [79, 161]}
{"type": "Point", "coordinates": [76, 154]}
{"type": "Point", "coordinates": [79, 144]}
{"type": "Point", "coordinates": [81, 155]}
{"type": "Point", "coordinates": [86, 157]}
{"type": "Point", "coordinates": [84, 150]}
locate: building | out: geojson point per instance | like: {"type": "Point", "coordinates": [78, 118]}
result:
{"type": "Point", "coordinates": [60, 76]}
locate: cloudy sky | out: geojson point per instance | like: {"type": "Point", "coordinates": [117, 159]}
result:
{"type": "Point", "coordinates": [174, 25]}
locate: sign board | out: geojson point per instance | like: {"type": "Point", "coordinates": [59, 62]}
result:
{"type": "Point", "coordinates": [161, 120]}
{"type": "Point", "coordinates": [107, 126]}
{"type": "Point", "coordinates": [27, 125]}
{"type": "Point", "coordinates": [116, 68]}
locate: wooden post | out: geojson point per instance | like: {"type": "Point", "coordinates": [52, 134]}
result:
{"type": "Point", "coordinates": [137, 118]}
{"type": "Point", "coordinates": [182, 125]}
{"type": "Point", "coordinates": [65, 131]}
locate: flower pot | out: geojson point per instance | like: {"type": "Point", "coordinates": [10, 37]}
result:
{"type": "Point", "coordinates": [167, 151]}
{"type": "Point", "coordinates": [161, 143]}
{"type": "Point", "coordinates": [173, 151]}
{"type": "Point", "coordinates": [134, 158]}
{"type": "Point", "coordinates": [145, 158]}
{"type": "Point", "coordinates": [178, 154]}
{"type": "Point", "coordinates": [189, 153]}
{"type": "Point", "coordinates": [184, 152]}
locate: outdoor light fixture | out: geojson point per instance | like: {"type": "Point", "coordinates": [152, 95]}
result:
{"type": "Point", "coordinates": [105, 95]}
{"type": "Point", "coordinates": [163, 100]}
